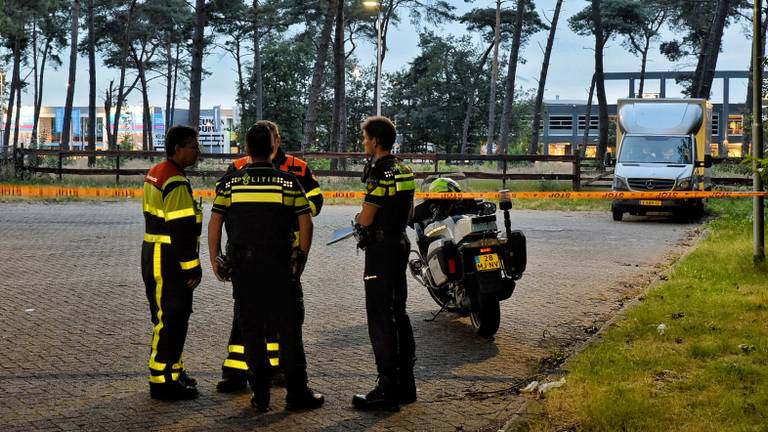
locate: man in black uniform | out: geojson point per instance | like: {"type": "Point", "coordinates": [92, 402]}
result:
{"type": "Point", "coordinates": [380, 231]}
{"type": "Point", "coordinates": [235, 368]}
{"type": "Point", "coordinates": [259, 205]}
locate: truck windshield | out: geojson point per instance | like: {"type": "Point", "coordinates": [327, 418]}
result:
{"type": "Point", "coordinates": [655, 149]}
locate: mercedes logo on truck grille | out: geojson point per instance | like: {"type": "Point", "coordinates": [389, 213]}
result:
{"type": "Point", "coordinates": [649, 184]}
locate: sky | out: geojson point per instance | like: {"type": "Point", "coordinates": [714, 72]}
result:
{"type": "Point", "coordinates": [569, 76]}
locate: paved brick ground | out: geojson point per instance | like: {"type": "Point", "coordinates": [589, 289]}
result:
{"type": "Point", "coordinates": [75, 325]}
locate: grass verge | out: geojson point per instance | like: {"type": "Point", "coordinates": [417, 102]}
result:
{"type": "Point", "coordinates": [708, 371]}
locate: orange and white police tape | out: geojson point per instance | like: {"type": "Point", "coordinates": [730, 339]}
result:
{"type": "Point", "coordinates": [52, 191]}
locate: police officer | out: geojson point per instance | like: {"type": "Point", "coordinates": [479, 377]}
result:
{"type": "Point", "coordinates": [234, 368]}
{"type": "Point", "coordinates": [259, 205]}
{"type": "Point", "coordinates": [380, 231]}
{"type": "Point", "coordinates": [170, 265]}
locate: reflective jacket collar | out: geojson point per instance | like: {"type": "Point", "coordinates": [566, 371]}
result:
{"type": "Point", "coordinates": [178, 167]}
{"type": "Point", "coordinates": [259, 165]}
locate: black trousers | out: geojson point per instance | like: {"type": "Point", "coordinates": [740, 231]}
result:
{"type": "Point", "coordinates": [263, 301]}
{"type": "Point", "coordinates": [170, 305]}
{"type": "Point", "coordinates": [386, 293]}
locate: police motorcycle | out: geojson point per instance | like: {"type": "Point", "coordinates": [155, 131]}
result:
{"type": "Point", "coordinates": [466, 264]}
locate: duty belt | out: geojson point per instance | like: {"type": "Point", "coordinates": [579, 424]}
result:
{"type": "Point", "coordinates": [383, 236]}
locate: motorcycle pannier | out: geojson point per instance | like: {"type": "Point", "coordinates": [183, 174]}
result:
{"type": "Point", "coordinates": [517, 256]}
{"type": "Point", "coordinates": [443, 261]}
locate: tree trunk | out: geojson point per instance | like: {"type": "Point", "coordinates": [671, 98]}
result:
{"type": "Point", "coordinates": [175, 81]}
{"type": "Point", "coordinates": [643, 63]}
{"type": "Point", "coordinates": [471, 100]}
{"type": "Point", "coordinates": [92, 85]}
{"type": "Point", "coordinates": [310, 121]}
{"type": "Point", "coordinates": [587, 120]}
{"type": "Point", "coordinates": [15, 81]}
{"type": "Point", "coordinates": [533, 146]}
{"type": "Point", "coordinates": [196, 78]}
{"type": "Point", "coordinates": [168, 81]}
{"type": "Point", "coordinates": [705, 68]}
{"type": "Point", "coordinates": [494, 73]}
{"type": "Point", "coordinates": [509, 95]}
{"type": "Point", "coordinates": [600, 41]}
{"type": "Point", "coordinates": [120, 88]}
{"type": "Point", "coordinates": [257, 76]}
{"type": "Point", "coordinates": [65, 133]}
{"type": "Point", "coordinates": [747, 134]}
{"type": "Point", "coordinates": [16, 123]}
{"type": "Point", "coordinates": [339, 98]}
{"type": "Point", "coordinates": [107, 107]}
{"type": "Point", "coordinates": [36, 77]}
{"type": "Point", "coordinates": [240, 82]}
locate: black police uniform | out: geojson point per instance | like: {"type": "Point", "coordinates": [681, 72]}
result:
{"type": "Point", "coordinates": [390, 186]}
{"type": "Point", "coordinates": [259, 205]}
{"type": "Point", "coordinates": [169, 258]}
{"type": "Point", "coordinates": [234, 368]}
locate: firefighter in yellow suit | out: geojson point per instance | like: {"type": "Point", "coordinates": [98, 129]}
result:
{"type": "Point", "coordinates": [170, 262]}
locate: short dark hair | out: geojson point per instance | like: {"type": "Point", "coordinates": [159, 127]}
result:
{"type": "Point", "coordinates": [258, 141]}
{"type": "Point", "coordinates": [381, 128]}
{"type": "Point", "coordinates": [178, 135]}
{"type": "Point", "coordinates": [273, 127]}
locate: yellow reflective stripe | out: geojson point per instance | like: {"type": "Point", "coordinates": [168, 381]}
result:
{"type": "Point", "coordinates": [199, 218]}
{"type": "Point", "coordinates": [245, 197]}
{"type": "Point", "coordinates": [154, 211]}
{"type": "Point", "coordinates": [186, 265]}
{"type": "Point", "coordinates": [222, 201]}
{"type": "Point", "coordinates": [155, 365]}
{"type": "Point", "coordinates": [406, 185]}
{"type": "Point", "coordinates": [237, 349]}
{"type": "Point", "coordinates": [179, 365]}
{"type": "Point", "coordinates": [157, 238]}
{"type": "Point", "coordinates": [257, 187]}
{"type": "Point", "coordinates": [386, 182]}
{"type": "Point", "coordinates": [312, 208]}
{"type": "Point", "coordinates": [313, 192]}
{"type": "Point", "coordinates": [273, 346]}
{"type": "Point", "coordinates": [160, 379]}
{"type": "Point", "coordinates": [175, 179]}
{"type": "Point", "coordinates": [289, 201]}
{"type": "Point", "coordinates": [235, 364]}
{"type": "Point", "coordinates": [178, 214]}
{"type": "Point", "coordinates": [274, 362]}
{"type": "Point", "coordinates": [157, 273]}
{"type": "Point", "coordinates": [379, 191]}
{"type": "Point", "coordinates": [405, 175]}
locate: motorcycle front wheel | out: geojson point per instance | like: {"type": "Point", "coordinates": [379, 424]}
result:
{"type": "Point", "coordinates": [486, 317]}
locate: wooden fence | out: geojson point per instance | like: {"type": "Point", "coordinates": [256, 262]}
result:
{"type": "Point", "coordinates": [583, 171]}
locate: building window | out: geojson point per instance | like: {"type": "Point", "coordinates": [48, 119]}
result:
{"type": "Point", "coordinates": [715, 124]}
{"type": "Point", "coordinates": [734, 150]}
{"type": "Point", "coordinates": [735, 125]}
{"type": "Point", "coordinates": [559, 123]}
{"type": "Point", "coordinates": [594, 122]}
{"type": "Point", "coordinates": [559, 149]}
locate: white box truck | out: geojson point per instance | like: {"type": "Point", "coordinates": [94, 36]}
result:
{"type": "Point", "coordinates": [662, 145]}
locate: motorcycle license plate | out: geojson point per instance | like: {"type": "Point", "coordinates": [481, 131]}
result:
{"type": "Point", "coordinates": [487, 262]}
{"type": "Point", "coordinates": [650, 202]}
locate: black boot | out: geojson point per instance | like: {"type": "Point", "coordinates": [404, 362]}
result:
{"type": "Point", "coordinates": [406, 386]}
{"type": "Point", "coordinates": [231, 385]}
{"type": "Point", "coordinates": [172, 391]}
{"type": "Point", "coordinates": [187, 380]}
{"type": "Point", "coordinates": [304, 399]}
{"type": "Point", "coordinates": [383, 397]}
{"type": "Point", "coordinates": [260, 399]}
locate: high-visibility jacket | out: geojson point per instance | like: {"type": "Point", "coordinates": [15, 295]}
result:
{"type": "Point", "coordinates": [293, 165]}
{"type": "Point", "coordinates": [171, 215]}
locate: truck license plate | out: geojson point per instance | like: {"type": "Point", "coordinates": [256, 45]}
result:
{"type": "Point", "coordinates": [650, 202]}
{"type": "Point", "coordinates": [487, 262]}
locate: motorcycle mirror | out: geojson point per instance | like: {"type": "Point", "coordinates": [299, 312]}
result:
{"type": "Point", "coordinates": [504, 202]}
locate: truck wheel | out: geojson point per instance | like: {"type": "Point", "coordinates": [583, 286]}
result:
{"type": "Point", "coordinates": [617, 215]}
{"type": "Point", "coordinates": [486, 317]}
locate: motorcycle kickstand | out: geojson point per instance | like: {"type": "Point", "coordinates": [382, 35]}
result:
{"type": "Point", "coordinates": [435, 315]}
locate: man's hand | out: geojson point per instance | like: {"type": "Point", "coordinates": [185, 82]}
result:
{"type": "Point", "coordinates": [298, 262]}
{"type": "Point", "coordinates": [215, 266]}
{"type": "Point", "coordinates": [193, 283]}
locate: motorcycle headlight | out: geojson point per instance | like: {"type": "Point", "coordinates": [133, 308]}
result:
{"type": "Point", "coordinates": [619, 183]}
{"type": "Point", "coordinates": [683, 184]}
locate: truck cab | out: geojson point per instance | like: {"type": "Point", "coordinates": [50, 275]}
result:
{"type": "Point", "coordinates": [662, 145]}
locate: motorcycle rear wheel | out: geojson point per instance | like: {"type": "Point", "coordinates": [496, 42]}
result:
{"type": "Point", "coordinates": [486, 317]}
